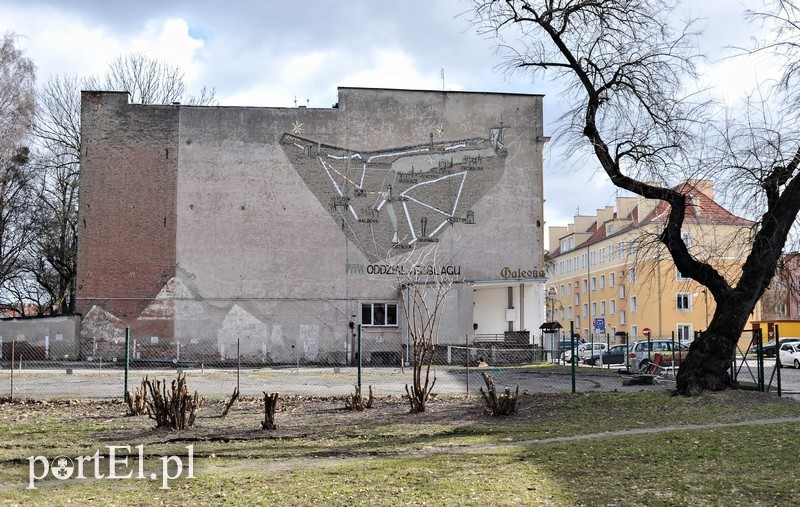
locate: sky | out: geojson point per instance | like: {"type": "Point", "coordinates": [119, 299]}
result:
{"type": "Point", "coordinates": [280, 54]}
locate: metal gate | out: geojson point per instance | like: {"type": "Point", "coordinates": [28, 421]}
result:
{"type": "Point", "coordinates": [749, 367]}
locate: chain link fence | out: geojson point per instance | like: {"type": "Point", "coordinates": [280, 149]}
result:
{"type": "Point", "coordinates": [458, 370]}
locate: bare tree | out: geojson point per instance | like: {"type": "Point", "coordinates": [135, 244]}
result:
{"type": "Point", "coordinates": [626, 68]}
{"type": "Point", "coordinates": [423, 286]}
{"type": "Point", "coordinates": [50, 260]}
{"type": "Point", "coordinates": [150, 81]}
{"type": "Point", "coordinates": [17, 107]}
{"type": "Point", "coordinates": [16, 205]}
{"type": "Point", "coordinates": [17, 97]}
{"type": "Point", "coordinates": [54, 251]}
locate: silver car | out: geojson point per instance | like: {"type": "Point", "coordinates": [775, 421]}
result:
{"type": "Point", "coordinates": [642, 352]}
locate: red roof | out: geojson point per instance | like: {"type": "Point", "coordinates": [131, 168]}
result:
{"type": "Point", "coordinates": [700, 209]}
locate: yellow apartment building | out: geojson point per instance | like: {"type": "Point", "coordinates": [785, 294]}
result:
{"type": "Point", "coordinates": [609, 275]}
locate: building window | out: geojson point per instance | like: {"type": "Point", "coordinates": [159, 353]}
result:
{"type": "Point", "coordinates": [632, 275]}
{"type": "Point", "coordinates": [679, 275]}
{"type": "Point", "coordinates": [592, 258]}
{"type": "Point", "coordinates": [569, 289]}
{"type": "Point", "coordinates": [561, 291]}
{"type": "Point", "coordinates": [622, 292]}
{"type": "Point", "coordinates": [602, 255]}
{"type": "Point", "coordinates": [622, 317]}
{"type": "Point", "coordinates": [585, 285]}
{"type": "Point", "coordinates": [594, 309]}
{"type": "Point", "coordinates": [577, 299]}
{"type": "Point", "coordinates": [612, 306]}
{"type": "Point", "coordinates": [687, 239]}
{"type": "Point", "coordinates": [683, 301]}
{"type": "Point", "coordinates": [611, 252]}
{"type": "Point", "coordinates": [634, 332]}
{"type": "Point", "coordinates": [684, 332]}
{"type": "Point", "coordinates": [611, 280]}
{"type": "Point", "coordinates": [781, 309]}
{"type": "Point", "coordinates": [602, 282]}
{"type": "Point", "coordinates": [569, 312]}
{"type": "Point", "coordinates": [585, 309]}
{"type": "Point", "coordinates": [594, 284]}
{"type": "Point", "coordinates": [634, 305]}
{"type": "Point", "coordinates": [610, 231]}
{"type": "Point", "coordinates": [379, 314]}
{"type": "Point", "coordinates": [602, 308]}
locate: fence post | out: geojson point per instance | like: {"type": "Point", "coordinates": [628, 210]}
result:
{"type": "Point", "coordinates": [673, 352]}
{"type": "Point", "coordinates": [127, 361]}
{"type": "Point", "coordinates": [778, 363]}
{"type": "Point", "coordinates": [466, 358]}
{"type": "Point", "coordinates": [359, 358]}
{"type": "Point", "coordinates": [759, 358]}
{"type": "Point", "coordinates": [238, 364]}
{"type": "Point", "coordinates": [574, 352]}
{"type": "Point", "coordinates": [13, 342]}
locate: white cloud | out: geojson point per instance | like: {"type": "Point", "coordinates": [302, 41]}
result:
{"type": "Point", "coordinates": [391, 69]}
{"type": "Point", "coordinates": [60, 44]}
{"type": "Point", "coordinates": [169, 40]}
{"type": "Point", "coordinates": [734, 78]}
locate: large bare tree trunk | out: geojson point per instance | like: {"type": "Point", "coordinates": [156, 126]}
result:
{"type": "Point", "coordinates": [624, 68]}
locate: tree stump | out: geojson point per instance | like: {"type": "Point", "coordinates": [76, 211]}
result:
{"type": "Point", "coordinates": [137, 400]}
{"type": "Point", "coordinates": [230, 402]}
{"type": "Point", "coordinates": [175, 408]}
{"type": "Point", "coordinates": [356, 401]}
{"type": "Point", "coordinates": [505, 404]}
{"type": "Point", "coordinates": [270, 402]}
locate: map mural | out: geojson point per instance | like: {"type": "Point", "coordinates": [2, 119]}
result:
{"type": "Point", "coordinates": [390, 200]}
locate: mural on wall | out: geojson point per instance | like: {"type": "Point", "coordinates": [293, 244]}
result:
{"type": "Point", "coordinates": [197, 335]}
{"type": "Point", "coordinates": [390, 200]}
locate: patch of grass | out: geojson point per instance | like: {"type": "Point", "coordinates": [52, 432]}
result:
{"type": "Point", "coordinates": [496, 479]}
{"type": "Point", "coordinates": [453, 454]}
{"type": "Point", "coordinates": [750, 465]}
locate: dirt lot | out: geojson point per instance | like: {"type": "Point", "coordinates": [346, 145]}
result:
{"type": "Point", "coordinates": [453, 454]}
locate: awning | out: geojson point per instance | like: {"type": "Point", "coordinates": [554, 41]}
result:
{"type": "Point", "coordinates": [550, 327]}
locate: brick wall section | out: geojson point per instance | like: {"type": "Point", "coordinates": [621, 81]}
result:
{"type": "Point", "coordinates": [127, 218]}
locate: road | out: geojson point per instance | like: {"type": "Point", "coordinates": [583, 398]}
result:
{"type": "Point", "coordinates": [94, 383]}
{"type": "Point", "coordinates": [324, 382]}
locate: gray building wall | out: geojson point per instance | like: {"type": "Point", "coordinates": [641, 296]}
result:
{"type": "Point", "coordinates": [40, 338]}
{"type": "Point", "coordinates": [285, 223]}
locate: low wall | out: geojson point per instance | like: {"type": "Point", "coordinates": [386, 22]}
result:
{"type": "Point", "coordinates": [40, 338]}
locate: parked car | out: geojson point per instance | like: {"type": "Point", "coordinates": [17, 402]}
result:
{"type": "Point", "coordinates": [564, 345]}
{"type": "Point", "coordinates": [585, 350]}
{"type": "Point", "coordinates": [768, 349]}
{"type": "Point", "coordinates": [790, 354]}
{"type": "Point", "coordinates": [614, 355]}
{"type": "Point", "coordinates": [642, 352]}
